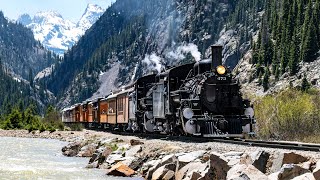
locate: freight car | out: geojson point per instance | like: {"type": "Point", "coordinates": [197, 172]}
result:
{"type": "Point", "coordinates": [201, 99]}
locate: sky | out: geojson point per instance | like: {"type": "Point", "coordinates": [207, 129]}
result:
{"type": "Point", "coordinates": [69, 9]}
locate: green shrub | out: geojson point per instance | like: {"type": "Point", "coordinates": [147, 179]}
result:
{"type": "Point", "coordinates": [288, 115]}
{"type": "Point", "coordinates": [76, 127]}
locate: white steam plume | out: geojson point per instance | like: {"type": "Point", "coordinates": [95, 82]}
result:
{"type": "Point", "coordinates": [153, 62]}
{"type": "Point", "coordinates": [180, 52]}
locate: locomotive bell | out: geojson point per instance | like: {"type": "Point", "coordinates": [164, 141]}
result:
{"type": "Point", "coordinates": [216, 55]}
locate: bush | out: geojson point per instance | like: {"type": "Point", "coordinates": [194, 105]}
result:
{"type": "Point", "coordinates": [288, 115]}
{"type": "Point", "coordinates": [76, 127]}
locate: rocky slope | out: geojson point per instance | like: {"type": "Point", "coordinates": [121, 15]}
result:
{"type": "Point", "coordinates": [56, 33]}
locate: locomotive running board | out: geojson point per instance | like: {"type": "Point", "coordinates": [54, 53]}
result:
{"type": "Point", "coordinates": [223, 135]}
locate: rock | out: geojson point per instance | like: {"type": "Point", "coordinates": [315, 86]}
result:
{"type": "Point", "coordinates": [171, 148]}
{"type": "Point", "coordinates": [94, 157]}
{"type": "Point", "coordinates": [122, 149]}
{"type": "Point", "coordinates": [188, 157]}
{"type": "Point", "coordinates": [126, 160]}
{"type": "Point", "coordinates": [134, 142]}
{"type": "Point", "coordinates": [113, 158]}
{"type": "Point", "coordinates": [233, 153]}
{"type": "Point", "coordinates": [245, 171]}
{"type": "Point", "coordinates": [219, 166]}
{"type": "Point", "coordinates": [133, 151]}
{"type": "Point", "coordinates": [260, 160]}
{"type": "Point", "coordinates": [136, 163]}
{"type": "Point", "coordinates": [93, 165]}
{"type": "Point", "coordinates": [149, 164]}
{"type": "Point", "coordinates": [165, 160]}
{"type": "Point", "coordinates": [189, 169]}
{"type": "Point", "coordinates": [288, 171]}
{"type": "Point", "coordinates": [121, 170]}
{"type": "Point", "coordinates": [163, 170]}
{"type": "Point", "coordinates": [316, 171]}
{"type": "Point", "coordinates": [205, 157]}
{"type": "Point", "coordinates": [286, 158]}
{"type": "Point", "coordinates": [306, 176]}
{"type": "Point", "coordinates": [72, 149]}
{"type": "Point", "coordinates": [169, 175]}
{"type": "Point", "coordinates": [195, 176]}
{"type": "Point", "coordinates": [305, 165]}
{"type": "Point", "coordinates": [87, 151]}
{"type": "Point", "coordinates": [108, 141]}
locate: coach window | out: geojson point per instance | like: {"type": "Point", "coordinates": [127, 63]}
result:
{"type": "Point", "coordinates": [112, 107]}
{"type": "Point", "coordinates": [120, 104]}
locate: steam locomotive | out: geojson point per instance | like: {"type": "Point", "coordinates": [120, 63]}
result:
{"type": "Point", "coordinates": [200, 99]}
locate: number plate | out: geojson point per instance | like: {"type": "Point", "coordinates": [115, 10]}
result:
{"type": "Point", "coordinates": [222, 78]}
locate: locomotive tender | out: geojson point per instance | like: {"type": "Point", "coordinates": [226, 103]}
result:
{"type": "Point", "coordinates": [200, 99]}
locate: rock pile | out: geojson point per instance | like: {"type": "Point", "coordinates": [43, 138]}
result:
{"type": "Point", "coordinates": [134, 159]}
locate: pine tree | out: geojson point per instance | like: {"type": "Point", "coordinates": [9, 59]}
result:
{"type": "Point", "coordinates": [294, 56]}
{"type": "Point", "coordinates": [265, 80]}
{"type": "Point", "coordinates": [305, 85]}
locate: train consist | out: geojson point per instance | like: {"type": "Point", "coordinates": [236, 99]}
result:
{"type": "Point", "coordinates": [200, 99]}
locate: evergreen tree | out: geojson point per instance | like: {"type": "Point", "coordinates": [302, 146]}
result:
{"type": "Point", "coordinates": [265, 80]}
{"type": "Point", "coordinates": [305, 85]}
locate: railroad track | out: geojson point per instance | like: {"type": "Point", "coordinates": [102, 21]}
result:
{"type": "Point", "coordinates": [272, 144]}
{"type": "Point", "coordinates": [246, 142]}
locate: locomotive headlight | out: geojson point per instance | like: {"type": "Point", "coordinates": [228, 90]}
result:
{"type": "Point", "coordinates": [221, 70]}
{"type": "Point", "coordinates": [188, 113]}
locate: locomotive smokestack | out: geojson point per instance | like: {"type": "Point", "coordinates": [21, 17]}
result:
{"type": "Point", "coordinates": [216, 55]}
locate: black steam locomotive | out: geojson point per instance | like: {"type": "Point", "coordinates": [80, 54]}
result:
{"type": "Point", "coordinates": [200, 99]}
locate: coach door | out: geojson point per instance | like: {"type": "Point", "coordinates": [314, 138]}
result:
{"type": "Point", "coordinates": [103, 111]}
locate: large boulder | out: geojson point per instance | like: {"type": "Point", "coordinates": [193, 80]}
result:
{"type": "Point", "coordinates": [245, 171]}
{"type": "Point", "coordinates": [133, 151]}
{"type": "Point", "coordinates": [286, 158]}
{"type": "Point", "coordinates": [162, 171]}
{"type": "Point", "coordinates": [87, 150]}
{"type": "Point", "coordinates": [258, 159]}
{"type": "Point", "coordinates": [288, 171]}
{"type": "Point", "coordinates": [316, 171]}
{"type": "Point", "coordinates": [219, 166]}
{"type": "Point", "coordinates": [165, 160]}
{"type": "Point", "coordinates": [121, 170]}
{"type": "Point", "coordinates": [189, 157]}
{"type": "Point", "coordinates": [188, 170]}
{"type": "Point", "coordinates": [72, 149]}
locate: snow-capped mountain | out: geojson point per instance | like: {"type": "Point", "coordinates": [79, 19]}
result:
{"type": "Point", "coordinates": [55, 32]}
{"type": "Point", "coordinates": [90, 16]}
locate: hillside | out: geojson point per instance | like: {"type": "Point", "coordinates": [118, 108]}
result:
{"type": "Point", "coordinates": [20, 52]}
{"type": "Point", "coordinates": [21, 57]}
{"type": "Point", "coordinates": [133, 38]}
{"type": "Point", "coordinates": [139, 36]}
{"type": "Point", "coordinates": [285, 51]}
